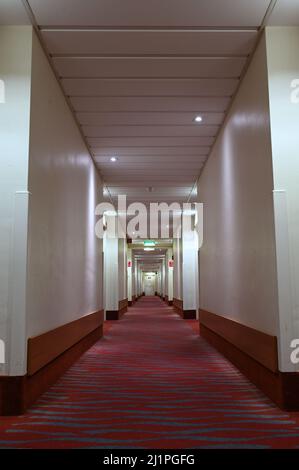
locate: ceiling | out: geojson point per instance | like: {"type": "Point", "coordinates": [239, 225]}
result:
{"type": "Point", "coordinates": [137, 72]}
{"type": "Point", "coordinates": [150, 260]}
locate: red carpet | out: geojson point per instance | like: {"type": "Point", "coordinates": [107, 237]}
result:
{"type": "Point", "coordinates": [151, 382]}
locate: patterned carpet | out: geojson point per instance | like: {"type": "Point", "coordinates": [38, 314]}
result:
{"type": "Point", "coordinates": [151, 382]}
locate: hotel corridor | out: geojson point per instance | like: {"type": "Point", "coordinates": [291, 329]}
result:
{"type": "Point", "coordinates": [152, 382]}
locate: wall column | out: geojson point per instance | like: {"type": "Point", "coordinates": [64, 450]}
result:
{"type": "Point", "coordinates": [169, 276]}
{"type": "Point", "coordinates": [189, 274]}
{"type": "Point", "coordinates": [283, 69]}
{"type": "Point", "coordinates": [116, 294]}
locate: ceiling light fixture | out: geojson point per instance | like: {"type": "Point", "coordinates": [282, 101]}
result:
{"type": "Point", "coordinates": [148, 249]}
{"type": "Point", "coordinates": [198, 119]}
{"type": "Point", "coordinates": [113, 159]}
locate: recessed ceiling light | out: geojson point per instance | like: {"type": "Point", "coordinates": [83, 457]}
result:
{"type": "Point", "coordinates": [198, 119]}
{"type": "Point", "coordinates": [113, 159]}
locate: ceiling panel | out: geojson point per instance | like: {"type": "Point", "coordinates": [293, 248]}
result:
{"type": "Point", "coordinates": [151, 104]}
{"type": "Point", "coordinates": [155, 159]}
{"type": "Point", "coordinates": [160, 191]}
{"type": "Point", "coordinates": [141, 42]}
{"type": "Point", "coordinates": [154, 87]}
{"type": "Point", "coordinates": [150, 131]}
{"type": "Point", "coordinates": [285, 13]}
{"type": "Point", "coordinates": [151, 173]}
{"type": "Point", "coordinates": [162, 164]}
{"type": "Point", "coordinates": [170, 13]}
{"type": "Point", "coordinates": [137, 72]}
{"type": "Point", "coordinates": [162, 179]}
{"type": "Point", "coordinates": [147, 119]}
{"type": "Point", "coordinates": [149, 151]}
{"type": "Point", "coordinates": [12, 12]}
{"type": "Point", "coordinates": [156, 67]}
{"type": "Point", "coordinates": [150, 141]}
{"type": "Point", "coordinates": [131, 183]}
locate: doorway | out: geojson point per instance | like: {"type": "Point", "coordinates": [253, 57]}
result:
{"type": "Point", "coordinates": [149, 283]}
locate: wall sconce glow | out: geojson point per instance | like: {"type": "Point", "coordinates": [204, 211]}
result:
{"type": "Point", "coordinates": [113, 159]}
{"type": "Point", "coordinates": [198, 119]}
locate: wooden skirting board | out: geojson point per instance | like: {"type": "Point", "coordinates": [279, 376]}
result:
{"type": "Point", "coordinates": [117, 314]}
{"type": "Point", "coordinates": [169, 302]}
{"type": "Point", "coordinates": [49, 356]}
{"type": "Point", "coordinates": [43, 348]}
{"type": "Point", "coordinates": [258, 345]}
{"type": "Point", "coordinates": [255, 354]}
{"type": "Point", "coordinates": [186, 314]}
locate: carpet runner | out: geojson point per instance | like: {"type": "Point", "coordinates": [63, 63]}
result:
{"type": "Point", "coordinates": [152, 382]}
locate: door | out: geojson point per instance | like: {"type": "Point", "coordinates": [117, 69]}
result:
{"type": "Point", "coordinates": [149, 284]}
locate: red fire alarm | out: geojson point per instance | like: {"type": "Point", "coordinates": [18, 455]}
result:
{"type": "Point", "coordinates": [170, 263]}
{"type": "Point", "coordinates": [129, 264]}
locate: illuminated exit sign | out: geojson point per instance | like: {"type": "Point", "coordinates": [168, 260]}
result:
{"type": "Point", "coordinates": [149, 243]}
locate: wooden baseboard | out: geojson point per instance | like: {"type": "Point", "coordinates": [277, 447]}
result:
{"type": "Point", "coordinates": [169, 302]}
{"type": "Point", "coordinates": [43, 348]}
{"type": "Point", "coordinates": [290, 390]}
{"type": "Point", "coordinates": [17, 394]}
{"type": "Point", "coordinates": [262, 347]}
{"type": "Point", "coordinates": [185, 314]}
{"type": "Point", "coordinates": [112, 315]}
{"type": "Point", "coordinates": [12, 394]}
{"type": "Point", "coordinates": [178, 305]}
{"type": "Point", "coordinates": [255, 355]}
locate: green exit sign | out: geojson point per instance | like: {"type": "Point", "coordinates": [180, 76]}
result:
{"type": "Point", "coordinates": [149, 243]}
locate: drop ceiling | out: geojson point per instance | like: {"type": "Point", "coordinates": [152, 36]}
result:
{"type": "Point", "coordinates": [137, 72]}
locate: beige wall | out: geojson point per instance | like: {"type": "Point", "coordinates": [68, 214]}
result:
{"type": "Point", "coordinates": [15, 73]}
{"type": "Point", "coordinates": [122, 269]}
{"type": "Point", "coordinates": [237, 259]}
{"type": "Point", "coordinates": [283, 67]}
{"type": "Point", "coordinates": [177, 269]}
{"type": "Point", "coordinates": [64, 256]}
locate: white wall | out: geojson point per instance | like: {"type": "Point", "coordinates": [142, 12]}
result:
{"type": "Point", "coordinates": [64, 255]}
{"type": "Point", "coordinates": [177, 269]}
{"type": "Point", "coordinates": [130, 287]}
{"type": "Point", "coordinates": [169, 274]}
{"type": "Point", "coordinates": [237, 259]}
{"type": "Point", "coordinates": [190, 270]}
{"type": "Point", "coordinates": [122, 269]}
{"type": "Point", "coordinates": [111, 273]}
{"type": "Point", "coordinates": [15, 71]}
{"type": "Point", "coordinates": [149, 283]}
{"type": "Point", "coordinates": [283, 67]}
